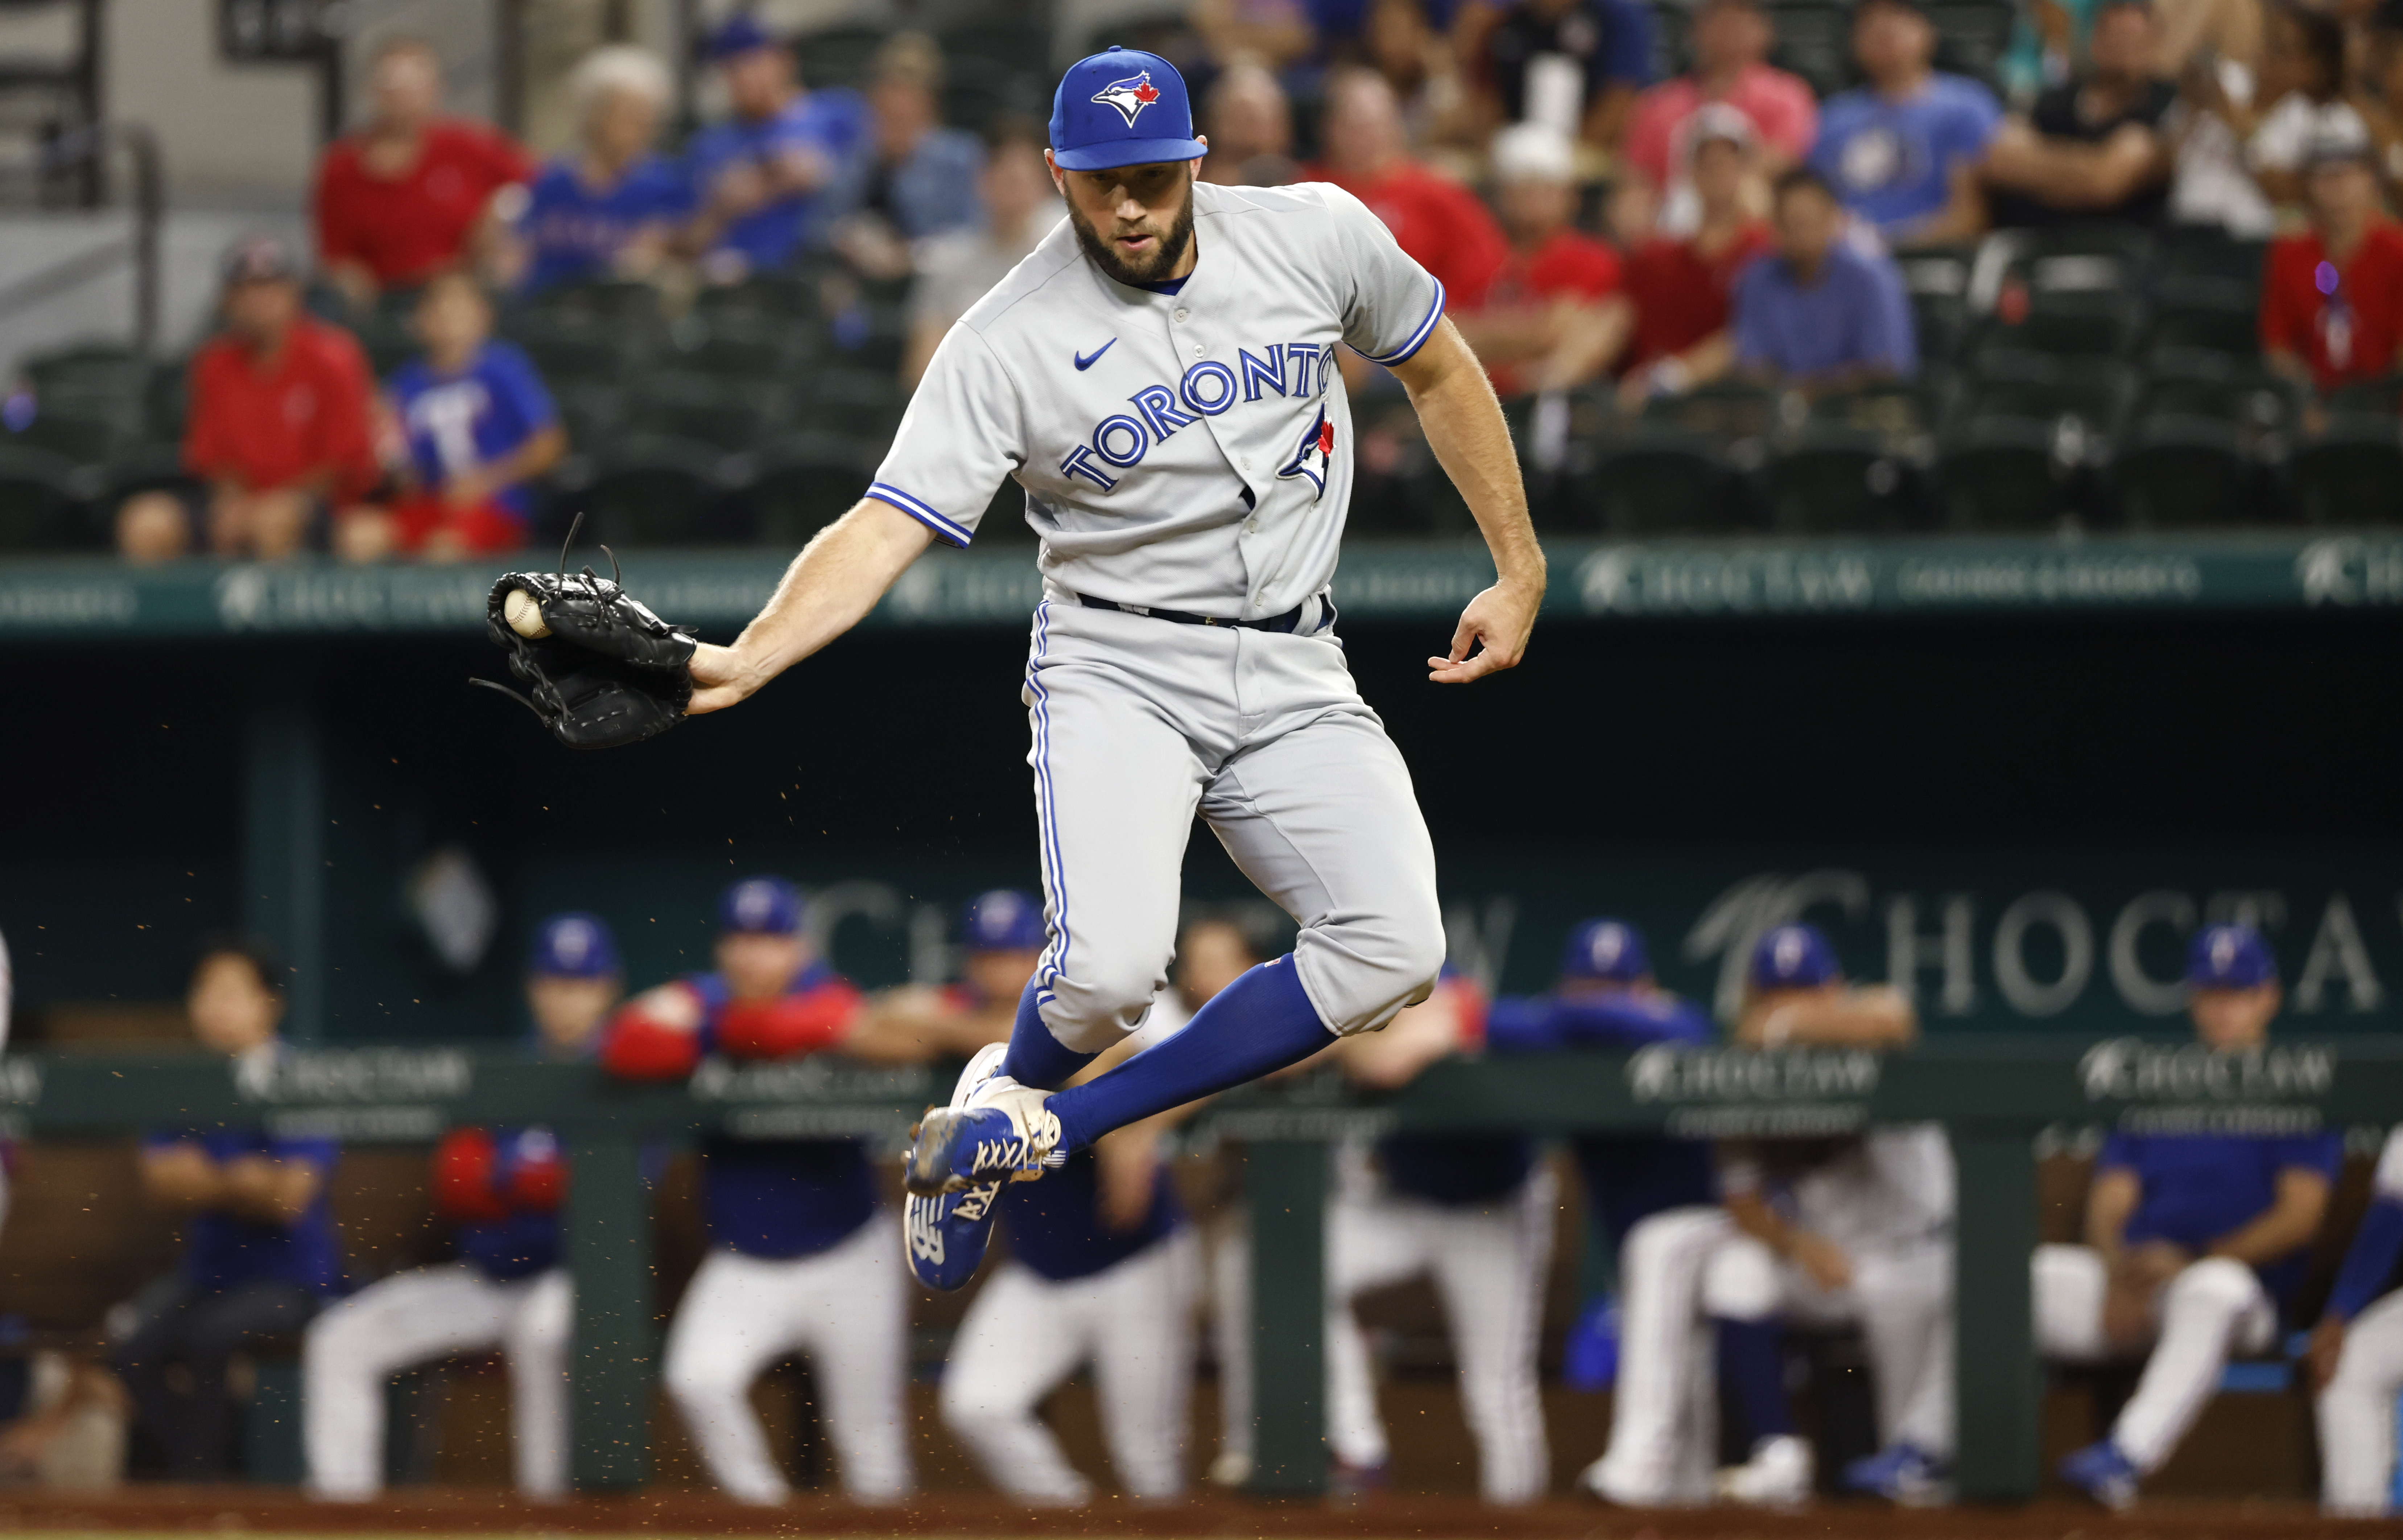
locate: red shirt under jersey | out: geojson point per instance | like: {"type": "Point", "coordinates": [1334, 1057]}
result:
{"type": "Point", "coordinates": [1569, 265]}
{"type": "Point", "coordinates": [269, 423]}
{"type": "Point", "coordinates": [408, 227]}
{"type": "Point", "coordinates": [1439, 223]}
{"type": "Point", "coordinates": [1680, 296]}
{"type": "Point", "coordinates": [2345, 323]}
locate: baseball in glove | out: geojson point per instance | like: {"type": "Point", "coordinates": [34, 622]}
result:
{"type": "Point", "coordinates": [600, 669]}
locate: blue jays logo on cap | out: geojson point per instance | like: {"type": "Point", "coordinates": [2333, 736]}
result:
{"type": "Point", "coordinates": [1121, 107]}
{"type": "Point", "coordinates": [1130, 95]}
{"type": "Point", "coordinates": [760, 905]}
{"type": "Point", "coordinates": [1606, 949]}
{"type": "Point", "coordinates": [2229, 957]}
{"type": "Point", "coordinates": [1794, 957]}
{"type": "Point", "coordinates": [1312, 454]}
{"type": "Point", "coordinates": [573, 946]}
{"type": "Point", "coordinates": [1004, 920]}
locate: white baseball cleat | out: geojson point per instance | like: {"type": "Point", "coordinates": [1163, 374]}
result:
{"type": "Point", "coordinates": [1004, 1133]}
{"type": "Point", "coordinates": [1603, 1484]}
{"type": "Point", "coordinates": [1778, 1474]}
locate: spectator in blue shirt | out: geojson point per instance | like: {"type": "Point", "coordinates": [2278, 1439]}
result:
{"type": "Point", "coordinates": [914, 177]}
{"type": "Point", "coordinates": [1904, 151]}
{"type": "Point", "coordinates": [2194, 1242]}
{"type": "Point", "coordinates": [1820, 315]}
{"type": "Point", "coordinates": [769, 180]}
{"type": "Point", "coordinates": [608, 209]}
{"type": "Point", "coordinates": [1608, 42]}
{"type": "Point", "coordinates": [260, 1254]}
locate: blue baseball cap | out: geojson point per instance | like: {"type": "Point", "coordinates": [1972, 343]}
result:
{"type": "Point", "coordinates": [760, 905]}
{"type": "Point", "coordinates": [1611, 950]}
{"type": "Point", "coordinates": [1794, 957]}
{"type": "Point", "coordinates": [739, 34]}
{"type": "Point", "coordinates": [2228, 957]}
{"type": "Point", "coordinates": [1004, 920]}
{"type": "Point", "coordinates": [574, 945]}
{"type": "Point", "coordinates": [1121, 107]}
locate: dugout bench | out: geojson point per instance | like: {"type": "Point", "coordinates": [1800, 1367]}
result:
{"type": "Point", "coordinates": [1994, 1094]}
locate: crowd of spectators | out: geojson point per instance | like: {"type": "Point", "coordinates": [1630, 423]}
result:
{"type": "Point", "coordinates": [1633, 199]}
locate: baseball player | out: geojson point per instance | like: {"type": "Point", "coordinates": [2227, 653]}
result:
{"type": "Point", "coordinates": [1158, 376]}
{"type": "Point", "coordinates": [501, 1191]}
{"type": "Point", "coordinates": [2356, 1355]}
{"type": "Point", "coordinates": [795, 1260]}
{"type": "Point", "coordinates": [1853, 1230]}
{"type": "Point", "coordinates": [2194, 1242]}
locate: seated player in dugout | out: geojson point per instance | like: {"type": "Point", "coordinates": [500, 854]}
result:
{"type": "Point", "coordinates": [500, 1191]}
{"type": "Point", "coordinates": [2195, 1244]}
{"type": "Point", "coordinates": [1850, 1229]}
{"type": "Point", "coordinates": [260, 1253]}
{"type": "Point", "coordinates": [1103, 1272]}
{"type": "Point", "coordinates": [2355, 1356]}
{"type": "Point", "coordinates": [796, 1259]}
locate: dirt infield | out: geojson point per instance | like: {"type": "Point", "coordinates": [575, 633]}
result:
{"type": "Point", "coordinates": [234, 1510]}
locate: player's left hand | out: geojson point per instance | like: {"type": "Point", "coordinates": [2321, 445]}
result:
{"type": "Point", "coordinates": [721, 678]}
{"type": "Point", "coordinates": [1491, 636]}
{"type": "Point", "coordinates": [2326, 1346]}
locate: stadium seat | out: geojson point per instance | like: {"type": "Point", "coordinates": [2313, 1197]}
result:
{"type": "Point", "coordinates": [861, 404]}
{"type": "Point", "coordinates": [2174, 471]}
{"type": "Point", "coordinates": [2368, 398]}
{"type": "Point", "coordinates": [1815, 40]}
{"type": "Point", "coordinates": [1654, 479]}
{"type": "Point", "coordinates": [734, 415]}
{"type": "Point", "coordinates": [1728, 410]}
{"type": "Point", "coordinates": [36, 502]}
{"type": "Point", "coordinates": [2208, 251]}
{"type": "Point", "coordinates": [2081, 326]}
{"type": "Point", "coordinates": [82, 427]}
{"type": "Point", "coordinates": [571, 354]}
{"type": "Point", "coordinates": [804, 483]}
{"type": "Point", "coordinates": [1022, 46]}
{"type": "Point", "coordinates": [96, 367]}
{"type": "Point", "coordinates": [2219, 314]}
{"type": "Point", "coordinates": [763, 298]}
{"type": "Point", "coordinates": [1973, 35]}
{"type": "Point", "coordinates": [1834, 480]}
{"type": "Point", "coordinates": [166, 401]}
{"type": "Point", "coordinates": [2350, 474]}
{"type": "Point", "coordinates": [387, 343]}
{"type": "Point", "coordinates": [979, 92]}
{"type": "Point", "coordinates": [2002, 473]}
{"type": "Point", "coordinates": [837, 56]}
{"type": "Point", "coordinates": [1672, 46]}
{"type": "Point", "coordinates": [653, 488]}
{"type": "Point", "coordinates": [767, 348]}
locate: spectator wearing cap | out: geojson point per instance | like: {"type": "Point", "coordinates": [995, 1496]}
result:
{"type": "Point", "coordinates": [1442, 225]}
{"type": "Point", "coordinates": [1554, 316]}
{"type": "Point", "coordinates": [2195, 1243]}
{"type": "Point", "coordinates": [771, 179]}
{"type": "Point", "coordinates": [1251, 131]}
{"type": "Point", "coordinates": [2095, 148]}
{"type": "Point", "coordinates": [800, 1256]}
{"type": "Point", "coordinates": [279, 426]}
{"type": "Point", "coordinates": [1822, 315]}
{"type": "Point", "coordinates": [1903, 151]}
{"type": "Point", "coordinates": [1731, 42]}
{"type": "Point", "coordinates": [500, 1191]}
{"type": "Point", "coordinates": [1681, 285]}
{"type": "Point", "coordinates": [2332, 293]}
{"type": "Point", "coordinates": [412, 192]}
{"type": "Point", "coordinates": [1575, 64]}
{"type": "Point", "coordinates": [2305, 81]}
{"type": "Point", "coordinates": [608, 208]}
{"type": "Point", "coordinates": [260, 1252]}
{"type": "Point", "coordinates": [955, 269]}
{"type": "Point", "coordinates": [480, 428]}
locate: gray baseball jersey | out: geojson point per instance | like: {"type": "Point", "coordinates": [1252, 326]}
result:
{"type": "Point", "coordinates": [1189, 450]}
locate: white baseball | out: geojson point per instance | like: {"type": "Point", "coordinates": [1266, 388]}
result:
{"type": "Point", "coordinates": [524, 616]}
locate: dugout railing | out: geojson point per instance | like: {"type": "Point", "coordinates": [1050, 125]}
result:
{"type": "Point", "coordinates": [1995, 1095]}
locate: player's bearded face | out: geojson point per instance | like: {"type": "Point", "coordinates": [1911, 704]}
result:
{"type": "Point", "coordinates": [1135, 222]}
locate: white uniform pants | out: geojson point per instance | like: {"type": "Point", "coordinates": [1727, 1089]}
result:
{"type": "Point", "coordinates": [1024, 1334]}
{"type": "Point", "coordinates": [2357, 1414]}
{"type": "Point", "coordinates": [1487, 1267]}
{"type": "Point", "coordinates": [2212, 1309]}
{"type": "Point", "coordinates": [1137, 723]}
{"type": "Point", "coordinates": [847, 1309]}
{"type": "Point", "coordinates": [411, 1318]}
{"type": "Point", "coordinates": [1682, 1266]}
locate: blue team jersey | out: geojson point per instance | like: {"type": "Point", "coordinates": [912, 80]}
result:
{"type": "Point", "coordinates": [1525, 1023]}
{"type": "Point", "coordinates": [574, 231]}
{"type": "Point", "coordinates": [527, 1242]}
{"type": "Point", "coordinates": [779, 1198]}
{"type": "Point", "coordinates": [832, 123]}
{"type": "Point", "coordinates": [222, 1251]}
{"type": "Point", "coordinates": [458, 422]}
{"type": "Point", "coordinates": [1891, 162]}
{"type": "Point", "coordinates": [1055, 1225]}
{"type": "Point", "coordinates": [2199, 1187]}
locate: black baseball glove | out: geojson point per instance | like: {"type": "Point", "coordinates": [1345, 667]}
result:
{"type": "Point", "coordinates": [601, 670]}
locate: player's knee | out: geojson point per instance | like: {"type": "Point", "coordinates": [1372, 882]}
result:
{"type": "Point", "coordinates": [1100, 1001]}
{"type": "Point", "coordinates": [1740, 1283]}
{"type": "Point", "coordinates": [1379, 964]}
{"type": "Point", "coordinates": [2218, 1283]}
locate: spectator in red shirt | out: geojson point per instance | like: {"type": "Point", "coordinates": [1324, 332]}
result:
{"type": "Point", "coordinates": [1732, 41]}
{"type": "Point", "coordinates": [1680, 284]}
{"type": "Point", "coordinates": [1554, 315]}
{"type": "Point", "coordinates": [2332, 294]}
{"type": "Point", "coordinates": [279, 424]}
{"type": "Point", "coordinates": [1441, 224]}
{"type": "Point", "coordinates": [413, 193]}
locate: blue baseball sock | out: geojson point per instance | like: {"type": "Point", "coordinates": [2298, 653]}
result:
{"type": "Point", "coordinates": [1036, 1058]}
{"type": "Point", "coordinates": [1260, 1022]}
{"type": "Point", "coordinates": [1752, 1365]}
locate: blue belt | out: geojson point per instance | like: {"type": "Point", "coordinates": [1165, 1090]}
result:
{"type": "Point", "coordinates": [1286, 622]}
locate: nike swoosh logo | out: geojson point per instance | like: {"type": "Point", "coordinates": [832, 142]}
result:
{"type": "Point", "coordinates": [1085, 360]}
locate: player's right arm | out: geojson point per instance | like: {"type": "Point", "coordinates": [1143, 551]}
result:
{"type": "Point", "coordinates": [829, 587]}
